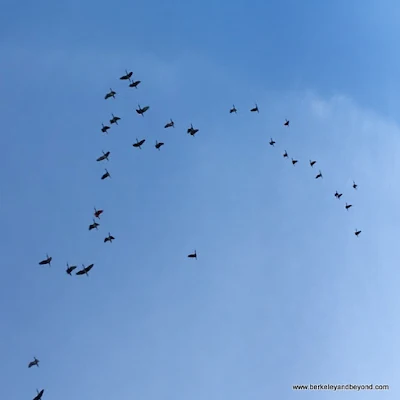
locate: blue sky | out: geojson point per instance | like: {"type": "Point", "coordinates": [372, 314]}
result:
{"type": "Point", "coordinates": [282, 292]}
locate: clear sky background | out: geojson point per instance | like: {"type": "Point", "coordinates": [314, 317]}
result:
{"type": "Point", "coordinates": [282, 293]}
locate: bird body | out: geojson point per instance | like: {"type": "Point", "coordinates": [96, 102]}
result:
{"type": "Point", "coordinates": [114, 119]}
{"type": "Point", "coordinates": [109, 238]}
{"type": "Point", "coordinates": [127, 76]}
{"type": "Point", "coordinates": [158, 145]}
{"type": "Point", "coordinates": [134, 84]}
{"type": "Point", "coordinates": [97, 213]}
{"type": "Point", "coordinates": [338, 195]}
{"type": "Point", "coordinates": [46, 261]}
{"type": "Point", "coordinates": [85, 270]}
{"type": "Point", "coordinates": [106, 175]}
{"type": "Point", "coordinates": [141, 110]}
{"type": "Point", "coordinates": [192, 131]}
{"type": "Point", "coordinates": [193, 255]}
{"type": "Point", "coordinates": [139, 143]}
{"type": "Point", "coordinates": [35, 362]}
{"type": "Point", "coordinates": [255, 109]}
{"type": "Point", "coordinates": [39, 395]}
{"type": "Point", "coordinates": [94, 225]}
{"type": "Point", "coordinates": [70, 269]}
{"type": "Point", "coordinates": [104, 128]}
{"type": "Point", "coordinates": [170, 124]}
{"type": "Point", "coordinates": [111, 93]}
{"type": "Point", "coordinates": [104, 156]}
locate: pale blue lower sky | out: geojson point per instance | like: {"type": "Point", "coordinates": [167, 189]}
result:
{"type": "Point", "coordinates": [282, 292]}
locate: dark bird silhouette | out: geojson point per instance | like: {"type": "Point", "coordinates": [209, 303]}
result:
{"type": "Point", "coordinates": [192, 131]}
{"type": "Point", "coordinates": [127, 76]}
{"type": "Point", "coordinates": [106, 175]}
{"type": "Point", "coordinates": [348, 206]}
{"type": "Point", "coordinates": [85, 270]}
{"type": "Point", "coordinates": [109, 238]}
{"type": "Point", "coordinates": [312, 163]}
{"type": "Point", "coordinates": [294, 161]}
{"type": "Point", "coordinates": [141, 110]}
{"type": "Point", "coordinates": [286, 123]}
{"type": "Point", "coordinates": [357, 232]}
{"type": "Point", "coordinates": [134, 84]}
{"type": "Point", "coordinates": [33, 363]}
{"type": "Point", "coordinates": [338, 195]}
{"type": "Point", "coordinates": [104, 156]}
{"type": "Point", "coordinates": [170, 124]}
{"type": "Point", "coordinates": [158, 145]}
{"type": "Point", "coordinates": [193, 255]}
{"type": "Point", "coordinates": [285, 154]}
{"type": "Point", "coordinates": [97, 213]}
{"type": "Point", "coordinates": [111, 93]}
{"type": "Point", "coordinates": [319, 175]}
{"type": "Point", "coordinates": [272, 142]}
{"type": "Point", "coordinates": [233, 110]}
{"type": "Point", "coordinates": [355, 185]}
{"type": "Point", "coordinates": [114, 119]}
{"type": "Point", "coordinates": [94, 225]}
{"type": "Point", "coordinates": [255, 109]}
{"type": "Point", "coordinates": [105, 128]}
{"type": "Point", "coordinates": [46, 261]}
{"type": "Point", "coordinates": [70, 269]}
{"type": "Point", "coordinates": [39, 394]}
{"type": "Point", "coordinates": [139, 143]}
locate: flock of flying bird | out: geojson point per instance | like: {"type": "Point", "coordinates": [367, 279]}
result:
{"type": "Point", "coordinates": [294, 162]}
{"type": "Point", "coordinates": [139, 143]}
{"type": "Point", "coordinates": [105, 157]}
{"type": "Point", "coordinates": [312, 163]}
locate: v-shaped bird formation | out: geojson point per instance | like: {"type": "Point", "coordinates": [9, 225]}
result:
{"type": "Point", "coordinates": [192, 131]}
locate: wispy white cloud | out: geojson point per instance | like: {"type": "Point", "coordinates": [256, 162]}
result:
{"type": "Point", "coordinates": [330, 275]}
